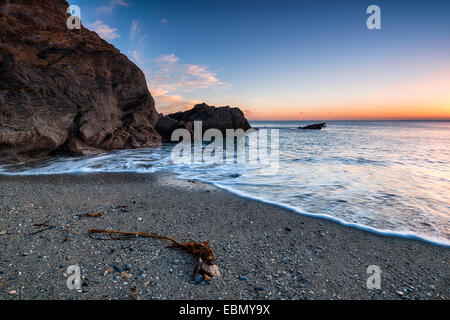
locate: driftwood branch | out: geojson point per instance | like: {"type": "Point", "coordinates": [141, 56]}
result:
{"type": "Point", "coordinates": [201, 250]}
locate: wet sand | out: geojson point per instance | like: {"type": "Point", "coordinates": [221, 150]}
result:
{"type": "Point", "coordinates": [263, 251]}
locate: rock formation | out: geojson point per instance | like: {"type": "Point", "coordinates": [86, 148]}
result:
{"type": "Point", "coordinates": [221, 118]}
{"type": "Point", "coordinates": [66, 90]}
{"type": "Point", "coordinates": [166, 125]}
{"type": "Point", "coordinates": [315, 126]}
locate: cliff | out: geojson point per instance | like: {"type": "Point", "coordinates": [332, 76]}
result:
{"type": "Point", "coordinates": [66, 91]}
{"type": "Point", "coordinates": [70, 92]}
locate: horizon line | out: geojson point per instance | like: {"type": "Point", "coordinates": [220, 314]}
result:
{"type": "Point", "coordinates": [319, 120]}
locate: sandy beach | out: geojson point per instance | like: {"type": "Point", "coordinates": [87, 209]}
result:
{"type": "Point", "coordinates": [263, 251]}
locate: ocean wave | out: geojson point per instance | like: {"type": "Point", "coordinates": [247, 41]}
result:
{"type": "Point", "coordinates": [367, 183]}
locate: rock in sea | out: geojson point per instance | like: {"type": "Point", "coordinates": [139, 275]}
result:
{"type": "Point", "coordinates": [316, 126]}
{"type": "Point", "coordinates": [212, 117]}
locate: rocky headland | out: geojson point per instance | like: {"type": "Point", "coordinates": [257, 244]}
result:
{"type": "Point", "coordinates": [68, 91]}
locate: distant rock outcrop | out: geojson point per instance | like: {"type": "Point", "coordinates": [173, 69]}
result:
{"type": "Point", "coordinates": [166, 125]}
{"type": "Point", "coordinates": [316, 126]}
{"type": "Point", "coordinates": [66, 90]}
{"type": "Point", "coordinates": [220, 118]}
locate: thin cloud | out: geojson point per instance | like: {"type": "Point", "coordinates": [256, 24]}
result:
{"type": "Point", "coordinates": [169, 59]}
{"type": "Point", "coordinates": [141, 41]}
{"type": "Point", "coordinates": [134, 28]}
{"type": "Point", "coordinates": [103, 30]}
{"type": "Point", "coordinates": [164, 21]}
{"type": "Point", "coordinates": [138, 52]}
{"type": "Point", "coordinates": [112, 5]}
{"type": "Point", "coordinates": [166, 103]}
{"type": "Point", "coordinates": [135, 55]}
{"type": "Point", "coordinates": [170, 75]}
{"type": "Point", "coordinates": [167, 78]}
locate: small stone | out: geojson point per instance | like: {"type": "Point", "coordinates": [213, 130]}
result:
{"type": "Point", "coordinates": [12, 292]}
{"type": "Point", "coordinates": [117, 268]}
{"type": "Point", "coordinates": [198, 278]}
{"type": "Point", "coordinates": [207, 278]}
{"type": "Point", "coordinates": [259, 288]}
{"type": "Point", "coordinates": [400, 293]}
{"type": "Point", "coordinates": [304, 280]}
{"type": "Point", "coordinates": [288, 229]}
{"type": "Point", "coordinates": [105, 272]}
{"type": "Point", "coordinates": [242, 278]}
{"type": "Point", "coordinates": [127, 267]}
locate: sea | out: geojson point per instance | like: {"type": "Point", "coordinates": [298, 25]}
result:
{"type": "Point", "coordinates": [386, 177]}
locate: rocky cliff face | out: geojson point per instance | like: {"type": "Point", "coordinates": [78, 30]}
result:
{"type": "Point", "coordinates": [220, 118]}
{"type": "Point", "coordinates": [66, 90]}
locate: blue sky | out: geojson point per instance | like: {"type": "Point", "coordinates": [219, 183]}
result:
{"type": "Point", "coordinates": [285, 59]}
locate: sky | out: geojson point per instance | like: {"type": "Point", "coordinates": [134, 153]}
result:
{"type": "Point", "coordinates": [286, 59]}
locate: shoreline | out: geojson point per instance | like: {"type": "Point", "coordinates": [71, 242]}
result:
{"type": "Point", "coordinates": [264, 251]}
{"type": "Point", "coordinates": [382, 232]}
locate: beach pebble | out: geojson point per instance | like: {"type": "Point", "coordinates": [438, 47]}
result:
{"type": "Point", "coordinates": [198, 278]}
{"type": "Point", "coordinates": [12, 292]}
{"type": "Point", "coordinates": [127, 267]}
{"type": "Point", "coordinates": [105, 272]}
{"type": "Point", "coordinates": [304, 280]}
{"type": "Point", "coordinates": [288, 229]}
{"type": "Point", "coordinates": [117, 268]}
{"type": "Point", "coordinates": [243, 278]}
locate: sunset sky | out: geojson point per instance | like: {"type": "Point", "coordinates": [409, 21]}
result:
{"type": "Point", "coordinates": [286, 60]}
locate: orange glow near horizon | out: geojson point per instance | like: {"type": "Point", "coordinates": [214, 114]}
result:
{"type": "Point", "coordinates": [357, 112]}
{"type": "Point", "coordinates": [425, 98]}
